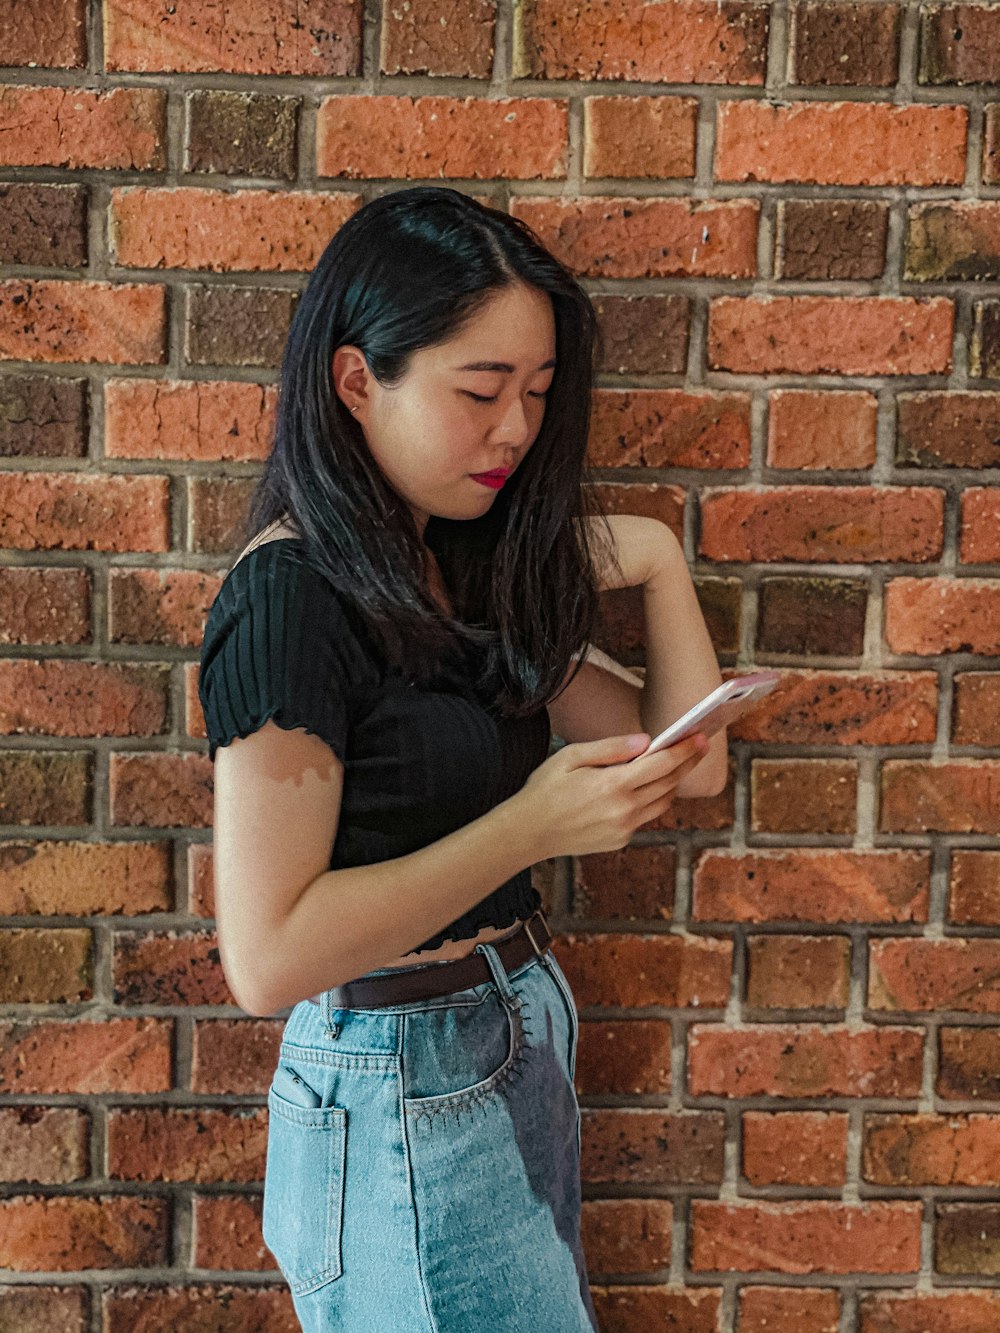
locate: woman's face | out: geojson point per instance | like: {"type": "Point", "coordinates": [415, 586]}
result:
{"type": "Point", "coordinates": [470, 405]}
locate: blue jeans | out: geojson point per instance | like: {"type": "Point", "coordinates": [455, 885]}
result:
{"type": "Point", "coordinates": [436, 1189]}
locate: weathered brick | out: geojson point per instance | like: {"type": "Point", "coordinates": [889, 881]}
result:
{"type": "Point", "coordinates": [782, 1309]}
{"type": "Point", "coordinates": [643, 335]}
{"type": "Point", "coordinates": [107, 1055]}
{"type": "Point", "coordinates": [707, 41]}
{"type": "Point", "coordinates": [45, 966]}
{"type": "Point", "coordinates": [844, 708]}
{"type": "Point", "coordinates": [217, 509]}
{"type": "Point", "coordinates": [51, 33]}
{"type": "Point", "coordinates": [242, 134]}
{"type": "Point", "coordinates": [42, 605]}
{"type": "Point", "coordinates": [810, 1237]}
{"type": "Point", "coordinates": [42, 417]}
{"type": "Point", "coordinates": [223, 1307]}
{"type": "Point", "coordinates": [75, 1232]}
{"type": "Point", "coordinates": [940, 615]}
{"type": "Point", "coordinates": [76, 698]}
{"type": "Point", "coordinates": [636, 971]}
{"type": "Point", "coordinates": [164, 606]}
{"type": "Point", "coordinates": [959, 44]}
{"type": "Point", "coordinates": [920, 974]}
{"type": "Point", "coordinates": [957, 239]}
{"type": "Point", "coordinates": [626, 1235]}
{"type": "Point", "coordinates": [73, 511]}
{"type": "Point", "coordinates": [991, 145]}
{"type": "Point", "coordinates": [975, 888]}
{"type": "Point", "coordinates": [931, 1149]}
{"type": "Point", "coordinates": [979, 538]}
{"type": "Point", "coordinates": [624, 1057]}
{"type": "Point", "coordinates": [649, 499]}
{"type": "Point", "coordinates": [186, 37]}
{"type": "Point", "coordinates": [823, 523]}
{"type": "Point", "coordinates": [831, 239]}
{"type": "Point", "coordinates": [794, 1147]}
{"type": "Point", "coordinates": [227, 1233]}
{"type": "Point", "coordinates": [63, 877]}
{"type": "Point", "coordinates": [37, 1309]}
{"type": "Point", "coordinates": [815, 429]}
{"type": "Point", "coordinates": [651, 1147]}
{"type": "Point", "coordinates": [931, 1312]}
{"type": "Point", "coordinates": [43, 225]}
{"type": "Point", "coordinates": [687, 1309]}
{"type": "Point", "coordinates": [43, 1144]}
{"type": "Point", "coordinates": [237, 326]}
{"type": "Point", "coordinates": [812, 885]}
{"type": "Point", "coordinates": [969, 1064]}
{"type": "Point", "coordinates": [840, 143]}
{"type": "Point", "coordinates": [798, 971]}
{"type": "Point", "coordinates": [967, 1239]}
{"type": "Point", "coordinates": [50, 319]}
{"type": "Point", "coordinates": [112, 129]}
{"type": "Point", "coordinates": [234, 1055]}
{"type": "Point", "coordinates": [194, 227]}
{"type": "Point", "coordinates": [804, 1060]}
{"type": "Point", "coordinates": [977, 708]}
{"type": "Point", "coordinates": [984, 344]}
{"type": "Point", "coordinates": [632, 883]}
{"type": "Point", "coordinates": [176, 968]}
{"type": "Point", "coordinates": [920, 796]}
{"type": "Point", "coordinates": [803, 795]}
{"type": "Point", "coordinates": [179, 1143]}
{"type": "Point", "coordinates": [509, 138]}
{"type": "Point", "coordinates": [639, 136]}
{"type": "Point", "coordinates": [812, 617]}
{"type": "Point", "coordinates": [843, 335]}
{"type": "Point", "coordinates": [669, 428]}
{"type": "Point", "coordinates": [845, 44]}
{"type": "Point", "coordinates": [37, 787]}
{"type": "Point", "coordinates": [189, 420]}
{"type": "Point", "coordinates": [617, 237]}
{"type": "Point", "coordinates": [439, 37]}
{"type": "Point", "coordinates": [948, 429]}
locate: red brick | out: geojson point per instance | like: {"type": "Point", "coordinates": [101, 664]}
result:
{"type": "Point", "coordinates": [635, 971]}
{"type": "Point", "coordinates": [36, 1309]}
{"type": "Point", "coordinates": [782, 1309]}
{"type": "Point", "coordinates": [840, 143]}
{"type": "Point", "coordinates": [624, 1057]}
{"type": "Point", "coordinates": [81, 1056]}
{"type": "Point", "coordinates": [939, 615]}
{"type": "Point", "coordinates": [704, 41]}
{"type": "Point", "coordinates": [974, 899]}
{"type": "Point", "coordinates": [806, 1237]}
{"type": "Point", "coordinates": [159, 606]}
{"type": "Point", "coordinates": [804, 1060]}
{"type": "Point", "coordinates": [618, 237]}
{"type": "Point", "coordinates": [510, 138]}
{"type": "Point", "coordinates": [798, 971]}
{"type": "Point", "coordinates": [932, 1150]}
{"type": "Point", "coordinates": [63, 877]}
{"type": "Point", "coordinates": [947, 428]}
{"type": "Point", "coordinates": [44, 1144]}
{"type": "Point", "coordinates": [679, 1310]}
{"type": "Point", "coordinates": [76, 1232]}
{"type": "Point", "coordinates": [43, 606]}
{"type": "Point", "coordinates": [649, 499]}
{"type": "Point", "coordinates": [979, 542]}
{"type": "Point", "coordinates": [977, 708]}
{"type": "Point", "coordinates": [842, 335]}
{"type": "Point", "coordinates": [844, 708]}
{"type": "Point", "coordinates": [193, 227]}
{"type": "Point", "coordinates": [75, 698]}
{"type": "Point", "coordinates": [119, 128]}
{"type": "Point", "coordinates": [46, 966]}
{"type": "Point", "coordinates": [234, 1055]}
{"type": "Point", "coordinates": [160, 790]}
{"type": "Point", "coordinates": [960, 44]}
{"type": "Point", "coordinates": [803, 795]}
{"type": "Point", "coordinates": [652, 1147]}
{"type": "Point", "coordinates": [849, 44]}
{"type": "Point", "coordinates": [180, 967]}
{"type": "Point", "coordinates": [669, 428]}
{"type": "Point", "coordinates": [177, 1143]}
{"type": "Point", "coordinates": [969, 1064]}
{"type": "Point", "coordinates": [74, 511]}
{"type": "Point", "coordinates": [794, 1147]}
{"type": "Point", "coordinates": [919, 796]}
{"type": "Point", "coordinates": [930, 1312]}
{"type": "Point", "coordinates": [227, 1234]}
{"type": "Point", "coordinates": [438, 37]}
{"type": "Point", "coordinates": [48, 319]}
{"type": "Point", "coordinates": [187, 38]}
{"type": "Point", "coordinates": [634, 882]}
{"type": "Point", "coordinates": [222, 1307]}
{"type": "Point", "coordinates": [812, 885]}
{"type": "Point", "coordinates": [626, 1235]}
{"type": "Point", "coordinates": [967, 1239]}
{"type": "Point", "coordinates": [53, 33]}
{"type": "Point", "coordinates": [961, 975]}
{"type": "Point", "coordinates": [639, 136]}
{"type": "Point", "coordinates": [816, 429]}
{"type": "Point", "coordinates": [189, 420]}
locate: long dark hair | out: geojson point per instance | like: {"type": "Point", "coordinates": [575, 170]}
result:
{"type": "Point", "coordinates": [405, 272]}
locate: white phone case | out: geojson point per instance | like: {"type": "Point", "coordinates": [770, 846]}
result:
{"type": "Point", "coordinates": [724, 705]}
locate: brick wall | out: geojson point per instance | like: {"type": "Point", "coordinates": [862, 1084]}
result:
{"type": "Point", "coordinates": [788, 216]}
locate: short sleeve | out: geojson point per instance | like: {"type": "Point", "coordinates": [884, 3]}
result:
{"type": "Point", "coordinates": [278, 644]}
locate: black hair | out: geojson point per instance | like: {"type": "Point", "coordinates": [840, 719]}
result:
{"type": "Point", "coordinates": [405, 272]}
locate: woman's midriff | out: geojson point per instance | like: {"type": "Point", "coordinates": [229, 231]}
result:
{"type": "Point", "coordinates": [452, 949]}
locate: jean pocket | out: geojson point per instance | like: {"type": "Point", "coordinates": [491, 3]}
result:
{"type": "Point", "coordinates": [559, 977]}
{"type": "Point", "coordinates": [303, 1211]}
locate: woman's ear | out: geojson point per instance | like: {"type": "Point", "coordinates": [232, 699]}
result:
{"type": "Point", "coordinates": [351, 377]}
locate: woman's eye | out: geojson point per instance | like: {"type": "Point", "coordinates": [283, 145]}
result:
{"type": "Point", "coordinates": [479, 398]}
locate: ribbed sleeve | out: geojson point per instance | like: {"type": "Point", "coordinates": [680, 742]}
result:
{"type": "Point", "coordinates": [278, 644]}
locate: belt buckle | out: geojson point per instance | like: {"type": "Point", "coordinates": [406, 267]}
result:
{"type": "Point", "coordinates": [527, 928]}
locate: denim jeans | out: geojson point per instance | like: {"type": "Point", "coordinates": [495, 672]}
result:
{"type": "Point", "coordinates": [436, 1188]}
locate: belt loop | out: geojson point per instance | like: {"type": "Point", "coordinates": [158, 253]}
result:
{"type": "Point", "coordinates": [539, 953]}
{"type": "Point", "coordinates": [493, 962]}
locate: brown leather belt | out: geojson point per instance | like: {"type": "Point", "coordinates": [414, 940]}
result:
{"type": "Point", "coordinates": [433, 979]}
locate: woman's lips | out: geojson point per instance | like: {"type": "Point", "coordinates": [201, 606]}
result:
{"type": "Point", "coordinates": [492, 479]}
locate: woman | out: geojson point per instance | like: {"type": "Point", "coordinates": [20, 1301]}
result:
{"type": "Point", "coordinates": [381, 673]}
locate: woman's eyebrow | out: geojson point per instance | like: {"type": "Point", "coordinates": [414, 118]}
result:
{"type": "Point", "coordinates": [500, 365]}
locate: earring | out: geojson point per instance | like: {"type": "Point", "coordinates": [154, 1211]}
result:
{"type": "Point", "coordinates": [354, 409]}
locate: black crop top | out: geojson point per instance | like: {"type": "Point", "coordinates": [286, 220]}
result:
{"type": "Point", "coordinates": [281, 643]}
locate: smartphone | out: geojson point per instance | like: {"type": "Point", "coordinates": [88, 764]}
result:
{"type": "Point", "coordinates": [289, 1085]}
{"type": "Point", "coordinates": [724, 705]}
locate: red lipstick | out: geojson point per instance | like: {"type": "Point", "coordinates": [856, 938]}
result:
{"type": "Point", "coordinates": [493, 479]}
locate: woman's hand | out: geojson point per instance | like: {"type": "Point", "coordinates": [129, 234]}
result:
{"type": "Point", "coordinates": [643, 547]}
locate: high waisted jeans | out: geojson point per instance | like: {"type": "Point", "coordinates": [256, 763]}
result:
{"type": "Point", "coordinates": [436, 1189]}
